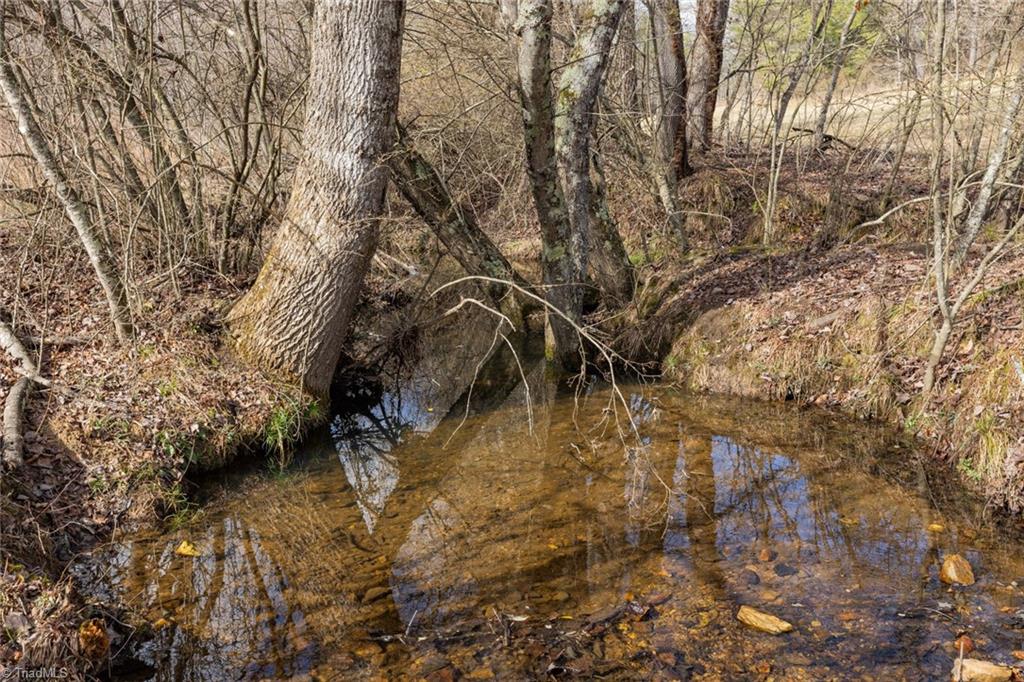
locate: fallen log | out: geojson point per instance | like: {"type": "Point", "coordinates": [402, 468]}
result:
{"type": "Point", "coordinates": [13, 451]}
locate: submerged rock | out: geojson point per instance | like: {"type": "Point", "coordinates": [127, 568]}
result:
{"type": "Point", "coordinates": [784, 570]}
{"type": "Point", "coordinates": [956, 571]}
{"type": "Point", "coordinates": [749, 577]}
{"type": "Point", "coordinates": [974, 670]}
{"type": "Point", "coordinates": [765, 622]}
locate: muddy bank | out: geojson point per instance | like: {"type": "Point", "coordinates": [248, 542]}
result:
{"type": "Point", "coordinates": [850, 330]}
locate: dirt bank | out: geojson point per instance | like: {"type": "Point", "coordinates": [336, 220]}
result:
{"type": "Point", "coordinates": [850, 329]}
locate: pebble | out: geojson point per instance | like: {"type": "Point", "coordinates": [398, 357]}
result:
{"type": "Point", "coordinates": [765, 622]}
{"type": "Point", "coordinates": [767, 555]}
{"type": "Point", "coordinates": [974, 670]}
{"type": "Point", "coordinates": [749, 577]}
{"type": "Point", "coordinates": [956, 570]}
{"type": "Point", "coordinates": [374, 593]}
{"type": "Point", "coordinates": [963, 643]}
{"type": "Point", "coordinates": [784, 570]}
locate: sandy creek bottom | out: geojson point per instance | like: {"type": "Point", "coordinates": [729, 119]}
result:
{"type": "Point", "coordinates": [521, 531]}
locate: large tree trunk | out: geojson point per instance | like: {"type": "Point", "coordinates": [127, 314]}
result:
{"type": "Point", "coordinates": [670, 112]}
{"type": "Point", "coordinates": [706, 70]}
{"type": "Point", "coordinates": [560, 278]}
{"type": "Point", "coordinates": [609, 261]}
{"type": "Point", "coordinates": [77, 211]}
{"type": "Point", "coordinates": [578, 88]}
{"type": "Point", "coordinates": [294, 320]}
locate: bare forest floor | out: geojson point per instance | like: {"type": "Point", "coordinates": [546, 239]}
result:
{"type": "Point", "coordinates": [838, 318]}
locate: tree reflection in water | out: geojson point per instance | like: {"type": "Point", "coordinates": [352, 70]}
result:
{"type": "Point", "coordinates": [409, 546]}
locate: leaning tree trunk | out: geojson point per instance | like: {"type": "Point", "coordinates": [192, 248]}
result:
{"type": "Point", "coordinates": [294, 319]}
{"type": "Point", "coordinates": [454, 225]}
{"type": "Point", "coordinates": [979, 209]}
{"type": "Point", "coordinates": [578, 88]}
{"type": "Point", "coordinates": [77, 211]}
{"type": "Point", "coordinates": [706, 70]}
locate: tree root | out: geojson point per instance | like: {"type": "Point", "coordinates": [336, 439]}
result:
{"type": "Point", "coordinates": [13, 451]}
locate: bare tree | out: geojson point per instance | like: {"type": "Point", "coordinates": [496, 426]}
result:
{"type": "Point", "coordinates": [838, 60]}
{"type": "Point", "coordinates": [76, 210]}
{"type": "Point", "coordinates": [321, 252]}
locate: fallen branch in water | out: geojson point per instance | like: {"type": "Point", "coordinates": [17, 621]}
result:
{"type": "Point", "coordinates": [13, 436]}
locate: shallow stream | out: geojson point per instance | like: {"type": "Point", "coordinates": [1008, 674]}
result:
{"type": "Point", "coordinates": [518, 531]}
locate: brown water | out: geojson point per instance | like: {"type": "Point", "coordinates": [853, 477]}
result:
{"type": "Point", "coordinates": [504, 542]}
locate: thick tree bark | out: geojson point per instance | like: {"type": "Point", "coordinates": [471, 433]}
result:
{"type": "Point", "coordinates": [578, 88]}
{"type": "Point", "coordinates": [670, 111]}
{"type": "Point", "coordinates": [706, 71]}
{"type": "Point", "coordinates": [455, 225]}
{"type": "Point", "coordinates": [561, 280]}
{"type": "Point", "coordinates": [293, 321]}
{"type": "Point", "coordinates": [74, 207]}
{"type": "Point", "coordinates": [609, 261]}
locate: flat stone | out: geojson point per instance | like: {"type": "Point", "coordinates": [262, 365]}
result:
{"type": "Point", "coordinates": [765, 622]}
{"type": "Point", "coordinates": [956, 570]}
{"type": "Point", "coordinates": [973, 670]}
{"type": "Point", "coordinates": [374, 593]}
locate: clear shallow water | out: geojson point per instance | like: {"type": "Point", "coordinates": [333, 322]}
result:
{"type": "Point", "coordinates": [421, 538]}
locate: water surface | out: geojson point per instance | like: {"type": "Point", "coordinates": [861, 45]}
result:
{"type": "Point", "coordinates": [520, 530]}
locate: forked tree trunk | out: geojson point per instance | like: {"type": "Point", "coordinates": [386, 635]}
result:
{"type": "Point", "coordinates": [578, 88]}
{"type": "Point", "coordinates": [294, 319]}
{"type": "Point", "coordinates": [77, 211]}
{"type": "Point", "coordinates": [706, 71]}
{"type": "Point", "coordinates": [532, 23]}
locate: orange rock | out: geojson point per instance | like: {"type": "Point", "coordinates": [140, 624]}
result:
{"type": "Point", "coordinates": [1019, 655]}
{"type": "Point", "coordinates": [964, 643]}
{"type": "Point", "coordinates": [763, 621]}
{"type": "Point", "coordinates": [956, 571]}
{"type": "Point", "coordinates": [766, 555]}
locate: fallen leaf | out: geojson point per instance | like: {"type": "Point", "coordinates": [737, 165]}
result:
{"type": "Point", "coordinates": [186, 548]}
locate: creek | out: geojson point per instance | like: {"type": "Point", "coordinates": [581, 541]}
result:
{"type": "Point", "coordinates": [479, 519]}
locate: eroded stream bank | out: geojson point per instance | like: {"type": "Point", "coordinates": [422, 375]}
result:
{"type": "Point", "coordinates": [439, 532]}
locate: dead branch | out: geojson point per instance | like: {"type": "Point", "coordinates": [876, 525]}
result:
{"type": "Point", "coordinates": [13, 436]}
